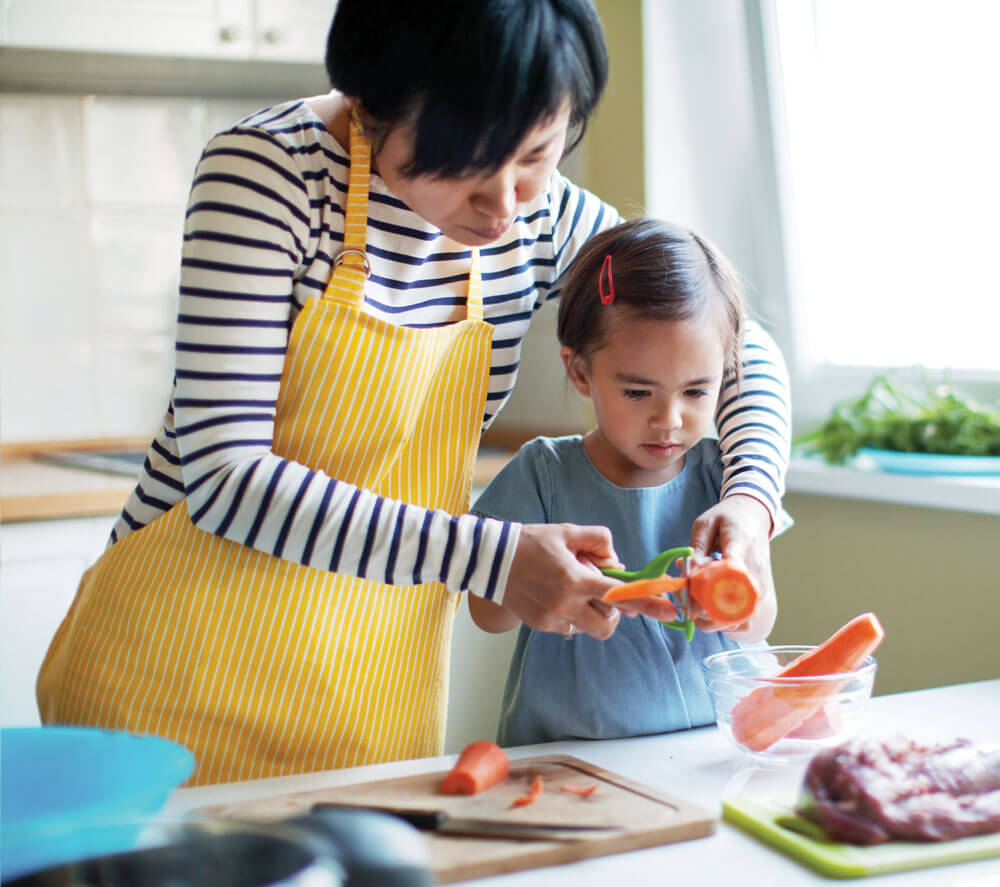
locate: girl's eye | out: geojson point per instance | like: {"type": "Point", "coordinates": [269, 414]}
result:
{"type": "Point", "coordinates": [636, 393]}
{"type": "Point", "coordinates": [696, 392]}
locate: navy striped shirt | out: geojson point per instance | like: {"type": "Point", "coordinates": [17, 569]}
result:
{"type": "Point", "coordinates": [264, 219]}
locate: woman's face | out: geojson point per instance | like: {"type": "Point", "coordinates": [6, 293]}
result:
{"type": "Point", "coordinates": [478, 209]}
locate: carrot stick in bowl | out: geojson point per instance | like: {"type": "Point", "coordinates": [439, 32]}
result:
{"type": "Point", "coordinates": [768, 714]}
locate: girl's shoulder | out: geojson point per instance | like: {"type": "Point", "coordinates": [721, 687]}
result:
{"type": "Point", "coordinates": [553, 451]}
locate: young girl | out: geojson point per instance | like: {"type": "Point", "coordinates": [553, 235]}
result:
{"type": "Point", "coordinates": [650, 324]}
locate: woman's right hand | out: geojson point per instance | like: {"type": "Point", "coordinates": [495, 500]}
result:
{"type": "Point", "coordinates": [553, 584]}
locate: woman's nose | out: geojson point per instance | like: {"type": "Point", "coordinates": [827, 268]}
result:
{"type": "Point", "coordinates": [497, 196]}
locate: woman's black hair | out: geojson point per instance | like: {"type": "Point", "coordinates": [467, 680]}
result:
{"type": "Point", "coordinates": [661, 271]}
{"type": "Point", "coordinates": [474, 77]}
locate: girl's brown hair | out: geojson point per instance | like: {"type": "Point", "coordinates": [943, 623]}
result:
{"type": "Point", "coordinates": [662, 272]}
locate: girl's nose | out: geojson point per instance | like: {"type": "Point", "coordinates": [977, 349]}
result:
{"type": "Point", "coordinates": [669, 415]}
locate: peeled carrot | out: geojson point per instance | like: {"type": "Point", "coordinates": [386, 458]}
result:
{"type": "Point", "coordinates": [480, 765]}
{"type": "Point", "coordinates": [724, 592]}
{"type": "Point", "coordinates": [533, 793]}
{"type": "Point", "coordinates": [584, 791]}
{"type": "Point", "coordinates": [844, 650]}
{"type": "Point", "coordinates": [641, 588]}
{"type": "Point", "coordinates": [721, 588]}
{"type": "Point", "coordinates": [769, 714]}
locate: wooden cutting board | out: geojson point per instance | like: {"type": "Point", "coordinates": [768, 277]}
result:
{"type": "Point", "coordinates": [643, 816]}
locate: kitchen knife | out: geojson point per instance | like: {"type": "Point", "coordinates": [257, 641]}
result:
{"type": "Point", "coordinates": [442, 823]}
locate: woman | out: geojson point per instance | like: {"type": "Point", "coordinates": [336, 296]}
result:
{"type": "Point", "coordinates": [358, 272]}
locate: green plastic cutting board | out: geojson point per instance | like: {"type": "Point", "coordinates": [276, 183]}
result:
{"type": "Point", "coordinates": [764, 820]}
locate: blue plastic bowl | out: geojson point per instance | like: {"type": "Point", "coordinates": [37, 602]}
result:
{"type": "Point", "coordinates": [71, 792]}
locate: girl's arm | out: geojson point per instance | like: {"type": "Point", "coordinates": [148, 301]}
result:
{"type": "Point", "coordinates": [490, 616]}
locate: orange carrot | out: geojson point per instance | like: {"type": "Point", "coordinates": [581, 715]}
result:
{"type": "Point", "coordinates": [641, 588]}
{"type": "Point", "coordinates": [480, 765]}
{"type": "Point", "coordinates": [844, 650]}
{"type": "Point", "coordinates": [769, 714]}
{"type": "Point", "coordinates": [724, 592]}
{"type": "Point", "coordinates": [533, 793]}
{"type": "Point", "coordinates": [584, 791]}
{"type": "Point", "coordinates": [826, 722]}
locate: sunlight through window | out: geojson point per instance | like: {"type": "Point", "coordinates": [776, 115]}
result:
{"type": "Point", "coordinates": [892, 179]}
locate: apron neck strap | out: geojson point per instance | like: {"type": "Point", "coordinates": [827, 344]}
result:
{"type": "Point", "coordinates": [351, 267]}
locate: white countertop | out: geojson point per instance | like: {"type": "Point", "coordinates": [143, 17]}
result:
{"type": "Point", "coordinates": [699, 766]}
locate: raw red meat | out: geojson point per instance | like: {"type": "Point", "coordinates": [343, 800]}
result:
{"type": "Point", "coordinates": [868, 791]}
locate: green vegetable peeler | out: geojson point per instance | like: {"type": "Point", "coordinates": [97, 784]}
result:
{"type": "Point", "coordinates": [656, 568]}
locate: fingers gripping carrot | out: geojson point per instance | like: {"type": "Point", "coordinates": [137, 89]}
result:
{"type": "Point", "coordinates": [531, 796]}
{"type": "Point", "coordinates": [480, 765]}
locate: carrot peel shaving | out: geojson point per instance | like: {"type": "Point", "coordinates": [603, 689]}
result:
{"type": "Point", "coordinates": [531, 796]}
{"type": "Point", "coordinates": [584, 791]}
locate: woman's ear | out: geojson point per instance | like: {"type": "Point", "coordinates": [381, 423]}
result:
{"type": "Point", "coordinates": [576, 369]}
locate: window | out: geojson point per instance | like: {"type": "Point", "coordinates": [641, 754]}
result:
{"type": "Point", "coordinates": [887, 138]}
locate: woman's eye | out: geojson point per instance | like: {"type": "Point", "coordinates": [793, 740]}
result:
{"type": "Point", "coordinates": [636, 393]}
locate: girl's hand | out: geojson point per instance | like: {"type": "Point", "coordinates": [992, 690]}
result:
{"type": "Point", "coordinates": [740, 527]}
{"type": "Point", "coordinates": [553, 584]}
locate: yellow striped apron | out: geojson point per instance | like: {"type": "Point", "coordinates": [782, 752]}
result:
{"type": "Point", "coordinates": [263, 667]}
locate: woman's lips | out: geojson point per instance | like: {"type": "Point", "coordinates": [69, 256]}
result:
{"type": "Point", "coordinates": [494, 233]}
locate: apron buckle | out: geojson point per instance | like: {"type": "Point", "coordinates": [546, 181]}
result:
{"type": "Point", "coordinates": [356, 252]}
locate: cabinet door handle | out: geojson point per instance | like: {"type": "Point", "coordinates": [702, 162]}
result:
{"type": "Point", "coordinates": [272, 36]}
{"type": "Point", "coordinates": [229, 33]}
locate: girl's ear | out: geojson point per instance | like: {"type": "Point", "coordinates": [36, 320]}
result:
{"type": "Point", "coordinates": [576, 369]}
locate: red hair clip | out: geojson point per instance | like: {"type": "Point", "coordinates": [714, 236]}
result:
{"type": "Point", "coordinates": [606, 297]}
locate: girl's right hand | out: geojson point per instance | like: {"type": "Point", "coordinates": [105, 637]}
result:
{"type": "Point", "coordinates": [553, 584]}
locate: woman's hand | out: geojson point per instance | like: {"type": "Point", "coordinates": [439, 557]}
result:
{"type": "Point", "coordinates": [740, 527]}
{"type": "Point", "coordinates": [553, 584]}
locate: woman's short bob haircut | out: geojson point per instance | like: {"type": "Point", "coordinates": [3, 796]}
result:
{"type": "Point", "coordinates": [474, 77]}
{"type": "Point", "coordinates": [661, 271]}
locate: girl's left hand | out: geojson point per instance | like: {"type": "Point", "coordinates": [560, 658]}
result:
{"type": "Point", "coordinates": [740, 527]}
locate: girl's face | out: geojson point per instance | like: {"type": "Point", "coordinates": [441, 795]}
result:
{"type": "Point", "coordinates": [654, 388]}
{"type": "Point", "coordinates": [478, 209]}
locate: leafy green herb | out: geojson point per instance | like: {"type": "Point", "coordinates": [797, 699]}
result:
{"type": "Point", "coordinates": [888, 418]}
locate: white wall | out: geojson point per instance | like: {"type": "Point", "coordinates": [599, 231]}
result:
{"type": "Point", "coordinates": [92, 198]}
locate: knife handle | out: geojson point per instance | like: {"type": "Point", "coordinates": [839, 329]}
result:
{"type": "Point", "coordinates": [424, 820]}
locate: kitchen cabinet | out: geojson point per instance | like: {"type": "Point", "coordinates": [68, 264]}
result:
{"type": "Point", "coordinates": [275, 30]}
{"type": "Point", "coordinates": [41, 563]}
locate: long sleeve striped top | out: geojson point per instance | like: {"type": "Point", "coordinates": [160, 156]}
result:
{"type": "Point", "coordinates": [264, 220]}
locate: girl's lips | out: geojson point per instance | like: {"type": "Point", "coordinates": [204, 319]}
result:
{"type": "Point", "coordinates": [664, 449]}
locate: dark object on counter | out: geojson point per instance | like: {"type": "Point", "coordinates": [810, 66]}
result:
{"type": "Point", "coordinates": [869, 791]}
{"type": "Point", "coordinates": [203, 858]}
{"type": "Point", "coordinates": [330, 848]}
{"type": "Point", "coordinates": [375, 849]}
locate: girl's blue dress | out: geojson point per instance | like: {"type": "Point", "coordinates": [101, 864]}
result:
{"type": "Point", "coordinates": [645, 678]}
